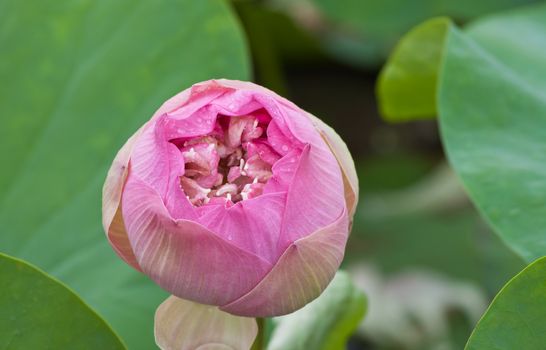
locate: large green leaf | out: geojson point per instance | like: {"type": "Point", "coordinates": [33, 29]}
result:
{"type": "Point", "coordinates": [515, 319]}
{"type": "Point", "coordinates": [407, 84]}
{"type": "Point", "coordinates": [367, 30]}
{"type": "Point", "coordinates": [324, 324]}
{"type": "Point", "coordinates": [38, 312]}
{"type": "Point", "coordinates": [79, 77]}
{"type": "Point", "coordinates": [492, 111]}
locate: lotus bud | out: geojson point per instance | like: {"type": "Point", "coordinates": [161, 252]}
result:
{"type": "Point", "coordinates": [232, 196]}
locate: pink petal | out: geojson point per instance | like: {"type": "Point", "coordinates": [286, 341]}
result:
{"type": "Point", "coordinates": [317, 180]}
{"type": "Point", "coordinates": [252, 190]}
{"type": "Point", "coordinates": [160, 164]}
{"type": "Point", "coordinates": [185, 325]}
{"type": "Point", "coordinates": [173, 103]}
{"type": "Point", "coordinates": [234, 173]}
{"type": "Point", "coordinates": [242, 129]}
{"type": "Point", "coordinates": [117, 236]}
{"type": "Point", "coordinates": [255, 167]}
{"type": "Point", "coordinates": [192, 100]}
{"type": "Point", "coordinates": [262, 116]}
{"type": "Point", "coordinates": [193, 190]}
{"type": "Point", "coordinates": [157, 161]}
{"type": "Point", "coordinates": [184, 257]}
{"type": "Point", "coordinates": [283, 172]}
{"type": "Point", "coordinates": [253, 225]}
{"type": "Point", "coordinates": [199, 123]}
{"type": "Point", "coordinates": [260, 148]}
{"type": "Point", "coordinates": [279, 140]}
{"type": "Point", "coordinates": [235, 103]}
{"type": "Point", "coordinates": [251, 88]}
{"type": "Point", "coordinates": [340, 150]}
{"type": "Point", "coordinates": [300, 275]}
{"type": "Point", "coordinates": [112, 219]}
{"type": "Point", "coordinates": [202, 161]}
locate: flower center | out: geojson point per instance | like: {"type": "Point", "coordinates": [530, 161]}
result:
{"type": "Point", "coordinates": [228, 165]}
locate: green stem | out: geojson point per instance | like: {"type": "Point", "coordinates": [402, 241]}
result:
{"type": "Point", "coordinates": [266, 60]}
{"type": "Point", "coordinates": [259, 343]}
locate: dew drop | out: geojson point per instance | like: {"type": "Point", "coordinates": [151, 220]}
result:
{"type": "Point", "coordinates": [230, 237]}
{"type": "Point", "coordinates": [284, 148]}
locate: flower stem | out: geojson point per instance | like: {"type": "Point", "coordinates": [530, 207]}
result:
{"type": "Point", "coordinates": [259, 343]}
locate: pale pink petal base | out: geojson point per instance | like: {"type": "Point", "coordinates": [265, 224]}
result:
{"type": "Point", "coordinates": [301, 274]}
{"type": "Point", "coordinates": [117, 235]}
{"type": "Point", "coordinates": [185, 325]}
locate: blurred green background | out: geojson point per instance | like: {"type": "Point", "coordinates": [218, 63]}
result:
{"type": "Point", "coordinates": [79, 76]}
{"type": "Point", "coordinates": [414, 225]}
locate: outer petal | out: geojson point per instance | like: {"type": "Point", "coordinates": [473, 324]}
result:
{"type": "Point", "coordinates": [346, 163]}
{"type": "Point", "coordinates": [112, 220]}
{"type": "Point", "coordinates": [173, 103]}
{"type": "Point", "coordinates": [182, 256]}
{"type": "Point", "coordinates": [300, 275]}
{"type": "Point", "coordinates": [252, 225]}
{"type": "Point", "coordinates": [185, 325]}
{"type": "Point", "coordinates": [159, 164]}
{"type": "Point", "coordinates": [317, 180]}
{"type": "Point", "coordinates": [113, 185]}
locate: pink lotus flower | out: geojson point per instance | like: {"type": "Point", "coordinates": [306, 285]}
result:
{"type": "Point", "coordinates": [233, 196]}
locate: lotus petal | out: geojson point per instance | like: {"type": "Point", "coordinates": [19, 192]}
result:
{"type": "Point", "coordinates": [184, 325]}
{"type": "Point", "coordinates": [346, 163]}
{"type": "Point", "coordinates": [182, 256]}
{"type": "Point", "coordinates": [252, 225]}
{"type": "Point", "coordinates": [112, 219]}
{"type": "Point", "coordinates": [301, 274]}
{"type": "Point", "coordinates": [315, 181]}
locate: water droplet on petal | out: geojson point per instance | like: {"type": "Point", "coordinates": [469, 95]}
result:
{"type": "Point", "coordinates": [284, 148]}
{"type": "Point", "coordinates": [230, 237]}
